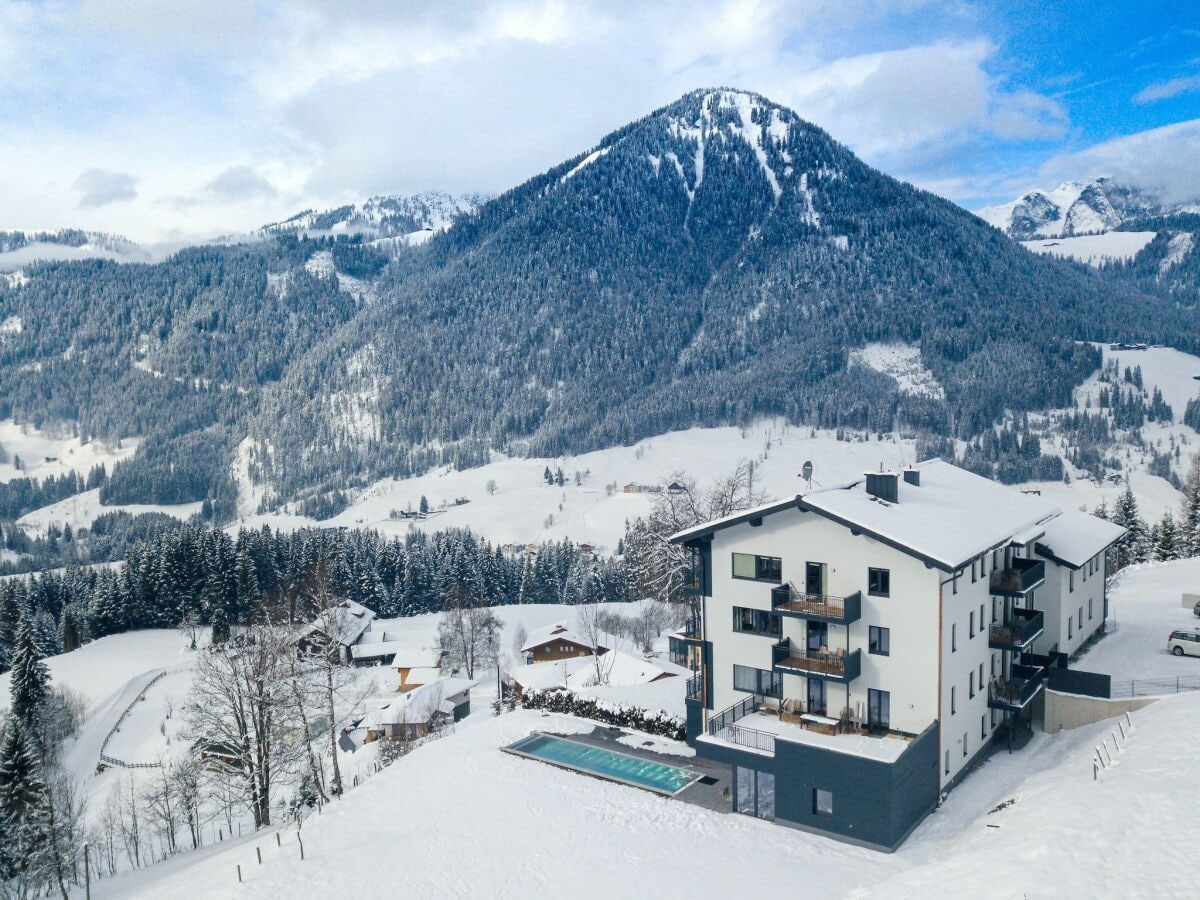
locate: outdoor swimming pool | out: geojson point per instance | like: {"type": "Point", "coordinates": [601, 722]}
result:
{"type": "Point", "coordinates": [643, 773]}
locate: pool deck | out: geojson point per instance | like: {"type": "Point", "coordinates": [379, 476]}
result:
{"type": "Point", "coordinates": [715, 796]}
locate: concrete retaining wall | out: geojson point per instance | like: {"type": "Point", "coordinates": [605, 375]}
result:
{"type": "Point", "coordinates": [1066, 711]}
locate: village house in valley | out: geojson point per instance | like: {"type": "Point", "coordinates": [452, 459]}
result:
{"type": "Point", "coordinates": [558, 641]}
{"type": "Point", "coordinates": [858, 649]}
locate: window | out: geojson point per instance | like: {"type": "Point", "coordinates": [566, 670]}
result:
{"type": "Point", "coordinates": [971, 626]}
{"type": "Point", "coordinates": [953, 638]}
{"type": "Point", "coordinates": [953, 700]}
{"type": "Point", "coordinates": [1091, 603]}
{"type": "Point", "coordinates": [758, 568]}
{"type": "Point", "coordinates": [947, 762]}
{"type": "Point", "coordinates": [973, 571]}
{"type": "Point", "coordinates": [879, 641]}
{"type": "Point", "coordinates": [964, 745]}
{"type": "Point", "coordinates": [983, 728]}
{"type": "Point", "coordinates": [879, 582]}
{"type": "Point", "coordinates": [980, 682]}
{"type": "Point", "coordinates": [755, 621]}
{"type": "Point", "coordinates": [954, 581]}
{"type": "Point", "coordinates": [982, 619]}
{"type": "Point", "coordinates": [822, 802]}
{"type": "Point", "coordinates": [879, 708]}
{"type": "Point", "coordinates": [1080, 623]}
{"type": "Point", "coordinates": [1070, 581]}
{"type": "Point", "coordinates": [971, 686]}
{"type": "Point", "coordinates": [754, 681]}
{"type": "Point", "coordinates": [1070, 627]}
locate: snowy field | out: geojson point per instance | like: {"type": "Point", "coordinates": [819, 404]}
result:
{"type": "Point", "coordinates": [83, 509]}
{"type": "Point", "coordinates": [33, 446]}
{"type": "Point", "coordinates": [459, 818]}
{"type": "Point", "coordinates": [526, 509]}
{"type": "Point", "coordinates": [1146, 605]}
{"type": "Point", "coordinates": [1094, 249]}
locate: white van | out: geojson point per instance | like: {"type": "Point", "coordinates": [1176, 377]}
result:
{"type": "Point", "coordinates": [1182, 642]}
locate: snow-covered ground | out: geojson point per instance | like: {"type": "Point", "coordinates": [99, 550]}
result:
{"type": "Point", "coordinates": [1146, 605]}
{"type": "Point", "coordinates": [1094, 249]}
{"type": "Point", "coordinates": [901, 362]}
{"type": "Point", "coordinates": [459, 818]}
{"type": "Point", "coordinates": [525, 509]}
{"type": "Point", "coordinates": [67, 453]}
{"type": "Point", "coordinates": [83, 509]}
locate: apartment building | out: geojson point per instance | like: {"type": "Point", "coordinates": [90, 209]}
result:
{"type": "Point", "coordinates": [857, 648]}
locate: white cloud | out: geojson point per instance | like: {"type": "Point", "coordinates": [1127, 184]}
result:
{"type": "Point", "coordinates": [99, 187]}
{"type": "Point", "coordinates": [1165, 89]}
{"type": "Point", "coordinates": [1164, 160]}
{"type": "Point", "coordinates": [240, 183]}
{"type": "Point", "coordinates": [249, 111]}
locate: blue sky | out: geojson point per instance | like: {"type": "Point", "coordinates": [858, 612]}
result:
{"type": "Point", "coordinates": [168, 120]}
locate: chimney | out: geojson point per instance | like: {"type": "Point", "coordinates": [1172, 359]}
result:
{"type": "Point", "coordinates": [912, 476]}
{"type": "Point", "coordinates": [884, 485]}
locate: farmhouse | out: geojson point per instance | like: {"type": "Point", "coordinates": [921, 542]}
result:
{"type": "Point", "coordinates": [344, 623]}
{"type": "Point", "coordinates": [416, 713]}
{"type": "Point", "coordinates": [558, 641]}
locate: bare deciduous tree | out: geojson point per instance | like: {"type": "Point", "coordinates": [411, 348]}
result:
{"type": "Point", "coordinates": [241, 713]}
{"type": "Point", "coordinates": [469, 635]}
{"type": "Point", "coordinates": [589, 620]}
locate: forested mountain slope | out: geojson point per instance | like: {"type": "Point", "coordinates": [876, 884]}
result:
{"type": "Point", "coordinates": [713, 262]}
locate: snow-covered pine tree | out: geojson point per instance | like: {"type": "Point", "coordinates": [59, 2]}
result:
{"type": "Point", "coordinates": [28, 681]}
{"type": "Point", "coordinates": [1134, 546]}
{"type": "Point", "coordinates": [1189, 526]}
{"type": "Point", "coordinates": [1165, 539]}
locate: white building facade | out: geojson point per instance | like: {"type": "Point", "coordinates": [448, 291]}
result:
{"type": "Point", "coordinates": [862, 645]}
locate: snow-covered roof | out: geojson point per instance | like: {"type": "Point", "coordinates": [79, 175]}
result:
{"type": "Point", "coordinates": [619, 669]}
{"type": "Point", "coordinates": [949, 519]}
{"type": "Point", "coordinates": [414, 652]}
{"type": "Point", "coordinates": [1075, 537]}
{"type": "Point", "coordinates": [558, 631]}
{"type": "Point", "coordinates": [347, 619]}
{"type": "Point", "coordinates": [421, 704]}
{"type": "Point", "coordinates": [735, 518]}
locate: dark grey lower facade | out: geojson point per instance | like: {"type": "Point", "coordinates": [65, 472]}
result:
{"type": "Point", "coordinates": [856, 799]}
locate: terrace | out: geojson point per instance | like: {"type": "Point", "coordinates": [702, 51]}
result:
{"type": "Point", "coordinates": [831, 665]}
{"type": "Point", "coordinates": [788, 601]}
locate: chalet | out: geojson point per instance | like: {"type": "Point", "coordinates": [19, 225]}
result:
{"type": "Point", "coordinates": [376, 648]}
{"type": "Point", "coordinates": [617, 668]}
{"type": "Point", "coordinates": [558, 641]}
{"type": "Point", "coordinates": [632, 488]}
{"type": "Point", "coordinates": [344, 624]}
{"type": "Point", "coordinates": [676, 488]}
{"type": "Point", "coordinates": [420, 711]}
{"type": "Point", "coordinates": [417, 664]}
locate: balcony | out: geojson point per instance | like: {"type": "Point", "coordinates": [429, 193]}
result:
{"type": "Point", "coordinates": [691, 630]}
{"type": "Point", "coordinates": [788, 601]}
{"type": "Point", "coordinates": [1019, 578]}
{"type": "Point", "coordinates": [1023, 628]}
{"type": "Point", "coordinates": [1015, 693]}
{"type": "Point", "coordinates": [836, 665]}
{"type": "Point", "coordinates": [695, 686]}
{"type": "Point", "coordinates": [723, 726]}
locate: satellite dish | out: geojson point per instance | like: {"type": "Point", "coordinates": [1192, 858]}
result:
{"type": "Point", "coordinates": [806, 471]}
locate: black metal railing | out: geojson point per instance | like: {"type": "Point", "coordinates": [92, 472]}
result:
{"type": "Point", "coordinates": [691, 626]}
{"type": "Point", "coordinates": [1017, 690]}
{"type": "Point", "coordinates": [723, 726]}
{"type": "Point", "coordinates": [695, 686]}
{"type": "Point", "coordinates": [836, 665]}
{"type": "Point", "coordinates": [1022, 576]}
{"type": "Point", "coordinates": [823, 607]}
{"type": "Point", "coordinates": [1023, 626]}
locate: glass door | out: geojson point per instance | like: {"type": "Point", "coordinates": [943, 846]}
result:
{"type": "Point", "coordinates": [816, 696]}
{"type": "Point", "coordinates": [814, 578]}
{"type": "Point", "coordinates": [879, 709]}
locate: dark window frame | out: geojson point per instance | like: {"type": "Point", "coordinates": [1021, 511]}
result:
{"type": "Point", "coordinates": [758, 568]}
{"type": "Point", "coordinates": [876, 646]}
{"type": "Point", "coordinates": [879, 582]}
{"type": "Point", "coordinates": [757, 615]}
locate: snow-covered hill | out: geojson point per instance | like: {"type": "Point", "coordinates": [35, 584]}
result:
{"type": "Point", "coordinates": [388, 216]}
{"type": "Point", "coordinates": [1071, 209]}
{"type": "Point", "coordinates": [19, 249]}
{"type": "Point", "coordinates": [1094, 249]}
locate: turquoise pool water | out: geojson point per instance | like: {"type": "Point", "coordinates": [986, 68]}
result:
{"type": "Point", "coordinates": [605, 763]}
